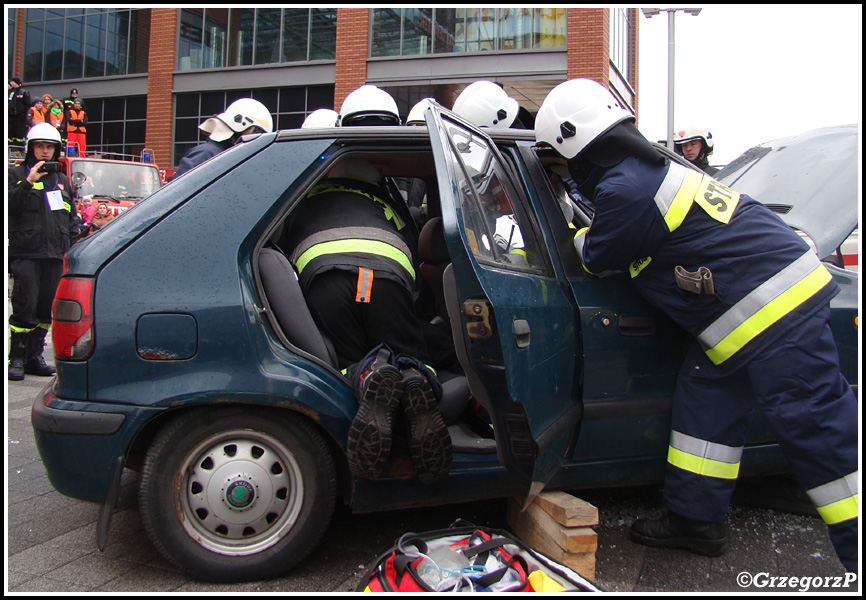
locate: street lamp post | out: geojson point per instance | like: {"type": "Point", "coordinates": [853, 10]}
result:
{"type": "Point", "coordinates": [649, 13]}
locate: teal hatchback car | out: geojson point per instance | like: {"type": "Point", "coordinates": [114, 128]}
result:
{"type": "Point", "coordinates": [185, 349]}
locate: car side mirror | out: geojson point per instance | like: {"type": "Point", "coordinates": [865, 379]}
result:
{"type": "Point", "coordinates": [78, 179]}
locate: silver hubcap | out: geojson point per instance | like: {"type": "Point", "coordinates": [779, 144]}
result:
{"type": "Point", "coordinates": [241, 492]}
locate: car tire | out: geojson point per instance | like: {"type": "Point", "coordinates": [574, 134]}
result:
{"type": "Point", "coordinates": [236, 494]}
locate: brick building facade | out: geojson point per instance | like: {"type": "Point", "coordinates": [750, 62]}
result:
{"type": "Point", "coordinates": [178, 98]}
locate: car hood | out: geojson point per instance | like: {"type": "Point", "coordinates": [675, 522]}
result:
{"type": "Point", "coordinates": [810, 180]}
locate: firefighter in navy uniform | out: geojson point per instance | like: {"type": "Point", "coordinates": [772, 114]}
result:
{"type": "Point", "coordinates": [19, 104]}
{"type": "Point", "coordinates": [348, 228]}
{"type": "Point", "coordinates": [695, 145]}
{"type": "Point", "coordinates": [242, 117]}
{"type": "Point", "coordinates": [753, 295]}
{"type": "Point", "coordinates": [42, 223]}
{"type": "Point", "coordinates": [356, 268]}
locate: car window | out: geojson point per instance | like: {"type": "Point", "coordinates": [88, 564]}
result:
{"type": "Point", "coordinates": [495, 224]}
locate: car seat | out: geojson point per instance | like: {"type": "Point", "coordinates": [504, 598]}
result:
{"type": "Point", "coordinates": [283, 292]}
{"type": "Point", "coordinates": [433, 258]}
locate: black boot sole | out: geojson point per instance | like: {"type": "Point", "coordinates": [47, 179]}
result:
{"type": "Point", "coordinates": [369, 443]}
{"type": "Point", "coordinates": [429, 440]}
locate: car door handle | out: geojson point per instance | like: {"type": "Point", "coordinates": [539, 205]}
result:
{"type": "Point", "coordinates": [521, 333]}
{"type": "Point", "coordinates": [637, 326]}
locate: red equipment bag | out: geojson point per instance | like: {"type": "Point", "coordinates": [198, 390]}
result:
{"type": "Point", "coordinates": [468, 558]}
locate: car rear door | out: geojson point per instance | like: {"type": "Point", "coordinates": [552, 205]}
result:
{"type": "Point", "coordinates": [513, 320]}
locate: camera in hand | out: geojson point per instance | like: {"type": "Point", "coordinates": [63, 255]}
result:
{"type": "Point", "coordinates": [51, 167]}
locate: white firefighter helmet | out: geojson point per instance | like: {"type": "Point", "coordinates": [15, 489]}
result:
{"type": "Point", "coordinates": [239, 116]}
{"type": "Point", "coordinates": [322, 117]}
{"type": "Point", "coordinates": [693, 133]}
{"type": "Point", "coordinates": [44, 132]}
{"type": "Point", "coordinates": [575, 113]}
{"type": "Point", "coordinates": [416, 115]}
{"type": "Point", "coordinates": [485, 104]}
{"type": "Point", "coordinates": [369, 105]}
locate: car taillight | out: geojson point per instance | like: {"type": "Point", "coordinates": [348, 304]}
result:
{"type": "Point", "coordinates": [72, 316]}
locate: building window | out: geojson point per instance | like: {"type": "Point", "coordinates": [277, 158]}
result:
{"type": "Point", "coordinates": [115, 126]}
{"type": "Point", "coordinates": [620, 41]}
{"type": "Point", "coordinates": [289, 107]}
{"type": "Point", "coordinates": [71, 43]}
{"type": "Point", "coordinates": [423, 31]}
{"type": "Point", "coordinates": [212, 38]}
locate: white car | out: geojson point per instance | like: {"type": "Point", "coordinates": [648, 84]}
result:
{"type": "Point", "coordinates": [810, 181]}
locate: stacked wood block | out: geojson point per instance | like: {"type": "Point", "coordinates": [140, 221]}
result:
{"type": "Point", "coordinates": [560, 526]}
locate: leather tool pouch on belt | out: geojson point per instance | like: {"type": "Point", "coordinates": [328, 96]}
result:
{"type": "Point", "coordinates": [697, 282]}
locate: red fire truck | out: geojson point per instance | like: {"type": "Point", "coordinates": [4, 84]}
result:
{"type": "Point", "coordinates": [118, 182]}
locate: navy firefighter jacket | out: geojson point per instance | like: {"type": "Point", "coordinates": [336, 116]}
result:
{"type": "Point", "coordinates": [744, 276]}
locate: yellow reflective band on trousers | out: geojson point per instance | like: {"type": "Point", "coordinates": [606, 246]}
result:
{"type": "Point", "coordinates": [763, 307]}
{"type": "Point", "coordinates": [704, 458]}
{"type": "Point", "coordinates": [837, 501]}
{"type": "Point", "coordinates": [356, 247]}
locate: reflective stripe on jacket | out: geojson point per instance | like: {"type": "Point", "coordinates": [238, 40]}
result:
{"type": "Point", "coordinates": [345, 224]}
{"type": "Point", "coordinates": [765, 276]}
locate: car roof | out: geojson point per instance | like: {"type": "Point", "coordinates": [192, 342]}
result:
{"type": "Point", "coordinates": [406, 132]}
{"type": "Point", "coordinates": [810, 180]}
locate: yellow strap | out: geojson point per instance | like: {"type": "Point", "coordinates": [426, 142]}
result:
{"type": "Point", "coordinates": [682, 201]}
{"type": "Point", "coordinates": [325, 188]}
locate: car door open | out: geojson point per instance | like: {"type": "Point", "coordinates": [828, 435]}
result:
{"type": "Point", "coordinates": [513, 320]}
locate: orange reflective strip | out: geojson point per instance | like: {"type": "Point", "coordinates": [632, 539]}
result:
{"type": "Point", "coordinates": [365, 285]}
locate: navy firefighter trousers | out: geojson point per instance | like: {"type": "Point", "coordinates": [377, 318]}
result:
{"type": "Point", "coordinates": [797, 384]}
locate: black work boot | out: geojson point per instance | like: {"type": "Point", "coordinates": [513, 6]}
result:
{"type": "Point", "coordinates": [378, 385]}
{"type": "Point", "coordinates": [429, 440]}
{"type": "Point", "coordinates": [34, 364]}
{"type": "Point", "coordinates": [675, 531]}
{"type": "Point", "coordinates": [17, 351]}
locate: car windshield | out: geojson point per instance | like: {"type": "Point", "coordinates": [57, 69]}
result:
{"type": "Point", "coordinates": [117, 180]}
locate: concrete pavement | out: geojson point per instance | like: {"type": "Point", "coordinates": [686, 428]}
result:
{"type": "Point", "coordinates": [51, 540]}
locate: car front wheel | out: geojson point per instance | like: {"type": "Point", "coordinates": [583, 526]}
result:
{"type": "Point", "coordinates": [236, 494]}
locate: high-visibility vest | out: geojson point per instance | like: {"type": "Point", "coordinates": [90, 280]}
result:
{"type": "Point", "coordinates": [56, 120]}
{"type": "Point", "coordinates": [38, 115]}
{"type": "Point", "coordinates": [76, 115]}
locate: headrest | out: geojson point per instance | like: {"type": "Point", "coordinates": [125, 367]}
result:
{"type": "Point", "coordinates": [431, 242]}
